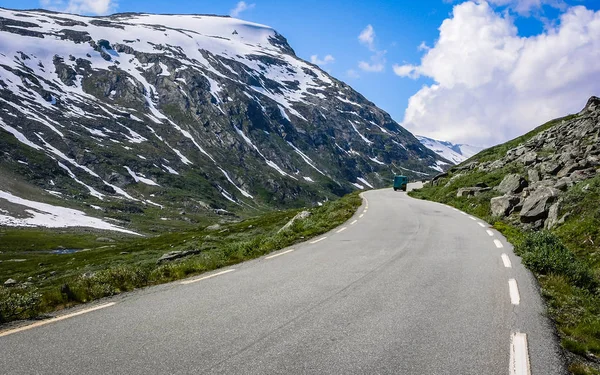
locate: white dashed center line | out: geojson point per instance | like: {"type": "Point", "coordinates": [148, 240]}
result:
{"type": "Point", "coordinates": [341, 230]}
{"type": "Point", "coordinates": [56, 319]}
{"type": "Point", "coordinates": [506, 261]}
{"type": "Point", "coordinates": [481, 225]}
{"type": "Point", "coordinates": [519, 355]}
{"type": "Point", "coordinates": [490, 233]}
{"type": "Point", "coordinates": [354, 222]}
{"type": "Point", "coordinates": [206, 277]}
{"type": "Point", "coordinates": [276, 255]}
{"type": "Point", "coordinates": [361, 215]}
{"type": "Point", "coordinates": [498, 244]}
{"type": "Point", "coordinates": [319, 240]}
{"type": "Point", "coordinates": [515, 299]}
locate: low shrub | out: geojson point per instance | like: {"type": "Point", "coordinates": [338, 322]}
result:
{"type": "Point", "coordinates": [18, 304]}
{"type": "Point", "coordinates": [544, 253]}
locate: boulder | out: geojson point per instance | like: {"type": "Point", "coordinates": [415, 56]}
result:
{"type": "Point", "coordinates": [10, 282]}
{"type": "Point", "coordinates": [300, 216]}
{"type": "Point", "coordinates": [177, 255]}
{"type": "Point", "coordinates": [563, 183]}
{"type": "Point", "coordinates": [583, 174]}
{"type": "Point", "coordinates": [512, 184]}
{"type": "Point", "coordinates": [533, 175]}
{"type": "Point", "coordinates": [529, 158]}
{"type": "Point", "coordinates": [496, 165]}
{"type": "Point", "coordinates": [504, 205]}
{"type": "Point", "coordinates": [537, 204]}
{"type": "Point", "coordinates": [467, 167]}
{"type": "Point", "coordinates": [471, 191]}
{"type": "Point", "coordinates": [550, 167]}
{"type": "Point", "coordinates": [552, 219]}
{"type": "Point", "coordinates": [213, 227]}
{"type": "Point", "coordinates": [567, 170]}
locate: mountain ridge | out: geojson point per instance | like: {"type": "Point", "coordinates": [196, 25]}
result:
{"type": "Point", "coordinates": [166, 111]}
{"type": "Point", "coordinates": [456, 153]}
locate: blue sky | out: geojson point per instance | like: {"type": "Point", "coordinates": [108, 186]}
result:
{"type": "Point", "coordinates": [397, 29]}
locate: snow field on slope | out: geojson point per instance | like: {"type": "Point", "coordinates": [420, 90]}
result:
{"type": "Point", "coordinates": [47, 215]}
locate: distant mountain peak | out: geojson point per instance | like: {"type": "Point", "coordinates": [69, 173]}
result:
{"type": "Point", "coordinates": [455, 153]}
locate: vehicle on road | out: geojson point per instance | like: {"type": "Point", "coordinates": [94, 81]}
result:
{"type": "Point", "coordinates": [400, 183]}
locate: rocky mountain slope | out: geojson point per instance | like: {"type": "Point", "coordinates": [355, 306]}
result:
{"type": "Point", "coordinates": [542, 191]}
{"type": "Point", "coordinates": [190, 112]}
{"type": "Point", "coordinates": [456, 153]}
{"type": "Point", "coordinates": [543, 166]}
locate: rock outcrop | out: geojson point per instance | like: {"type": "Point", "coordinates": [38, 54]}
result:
{"type": "Point", "coordinates": [553, 161]}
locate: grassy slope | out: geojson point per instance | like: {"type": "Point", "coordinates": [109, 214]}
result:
{"type": "Point", "coordinates": [128, 263]}
{"type": "Point", "coordinates": [565, 261]}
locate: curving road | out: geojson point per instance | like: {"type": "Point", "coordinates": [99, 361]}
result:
{"type": "Point", "coordinates": [404, 287]}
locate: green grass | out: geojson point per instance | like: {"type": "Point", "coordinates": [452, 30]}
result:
{"type": "Point", "coordinates": [109, 268]}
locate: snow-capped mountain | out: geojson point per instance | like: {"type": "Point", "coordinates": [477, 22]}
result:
{"type": "Point", "coordinates": [189, 111]}
{"type": "Point", "coordinates": [456, 153]}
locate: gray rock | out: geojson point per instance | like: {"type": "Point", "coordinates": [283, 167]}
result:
{"type": "Point", "coordinates": [299, 216]}
{"type": "Point", "coordinates": [467, 167]}
{"type": "Point", "coordinates": [512, 184]}
{"type": "Point", "coordinates": [581, 175]}
{"type": "Point", "coordinates": [529, 158]}
{"type": "Point", "coordinates": [177, 255]}
{"type": "Point", "coordinates": [496, 165]}
{"type": "Point", "coordinates": [213, 227]}
{"type": "Point", "coordinates": [537, 205]}
{"type": "Point", "coordinates": [550, 167]}
{"type": "Point", "coordinates": [533, 175]}
{"type": "Point", "coordinates": [504, 205]}
{"type": "Point", "coordinates": [552, 219]}
{"type": "Point", "coordinates": [10, 282]}
{"type": "Point", "coordinates": [563, 183]}
{"type": "Point", "coordinates": [567, 170]}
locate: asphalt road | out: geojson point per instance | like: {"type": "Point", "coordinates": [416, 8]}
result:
{"type": "Point", "coordinates": [408, 287]}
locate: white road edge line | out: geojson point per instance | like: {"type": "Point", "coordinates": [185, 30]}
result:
{"type": "Point", "coordinates": [481, 224]}
{"type": "Point", "coordinates": [206, 277]}
{"type": "Point", "coordinates": [519, 355]}
{"type": "Point", "coordinates": [56, 319]}
{"type": "Point", "coordinates": [361, 215]}
{"type": "Point", "coordinates": [341, 230]}
{"type": "Point", "coordinates": [319, 240]}
{"type": "Point", "coordinates": [515, 299]}
{"type": "Point", "coordinates": [464, 213]}
{"type": "Point", "coordinates": [354, 222]}
{"type": "Point", "coordinates": [506, 261]}
{"type": "Point", "coordinates": [490, 233]}
{"type": "Point", "coordinates": [276, 255]}
{"type": "Point", "coordinates": [472, 218]}
{"type": "Point", "coordinates": [498, 244]}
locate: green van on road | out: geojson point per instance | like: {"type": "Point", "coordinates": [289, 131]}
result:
{"type": "Point", "coordinates": [400, 183]}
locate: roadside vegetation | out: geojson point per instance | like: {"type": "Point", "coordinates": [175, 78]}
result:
{"type": "Point", "coordinates": [566, 260]}
{"type": "Point", "coordinates": [56, 269]}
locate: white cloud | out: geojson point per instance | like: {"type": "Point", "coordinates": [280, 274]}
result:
{"type": "Point", "coordinates": [328, 59]}
{"type": "Point", "coordinates": [240, 7]}
{"type": "Point", "coordinates": [375, 67]}
{"type": "Point", "coordinates": [377, 64]}
{"type": "Point", "coordinates": [95, 7]}
{"type": "Point", "coordinates": [367, 37]}
{"type": "Point", "coordinates": [406, 70]}
{"type": "Point", "coordinates": [492, 85]}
